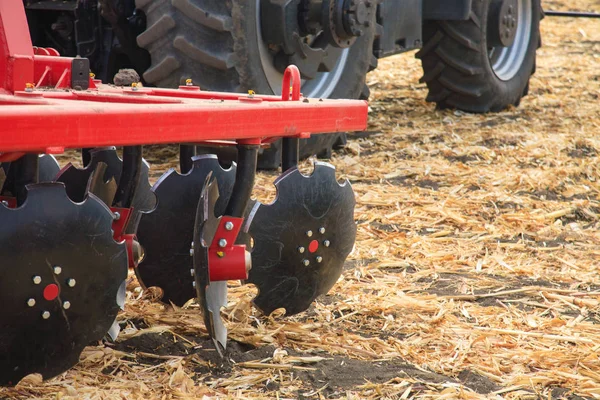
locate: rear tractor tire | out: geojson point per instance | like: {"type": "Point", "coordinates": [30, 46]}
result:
{"type": "Point", "coordinates": [465, 68]}
{"type": "Point", "coordinates": [219, 45]}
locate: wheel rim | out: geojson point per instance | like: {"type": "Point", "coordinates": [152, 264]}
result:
{"type": "Point", "coordinates": [322, 86]}
{"type": "Point", "coordinates": [506, 61]}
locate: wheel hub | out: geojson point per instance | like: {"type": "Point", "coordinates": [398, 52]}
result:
{"type": "Point", "coordinates": [503, 21]}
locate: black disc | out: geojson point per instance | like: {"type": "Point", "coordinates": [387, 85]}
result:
{"type": "Point", "coordinates": [301, 240]}
{"type": "Point", "coordinates": [211, 295]}
{"type": "Point", "coordinates": [76, 181]}
{"type": "Point", "coordinates": [48, 168]}
{"type": "Point", "coordinates": [59, 281]}
{"type": "Point", "coordinates": [166, 233]}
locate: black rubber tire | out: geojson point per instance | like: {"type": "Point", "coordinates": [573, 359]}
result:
{"type": "Point", "coordinates": [215, 43]}
{"type": "Point", "coordinates": [457, 68]}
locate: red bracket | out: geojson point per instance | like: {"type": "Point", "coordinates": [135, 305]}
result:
{"type": "Point", "coordinates": [227, 260]}
{"type": "Point", "coordinates": [11, 202]}
{"type": "Point", "coordinates": [118, 227]}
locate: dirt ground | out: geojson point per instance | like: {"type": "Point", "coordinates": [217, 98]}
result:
{"type": "Point", "coordinates": [475, 272]}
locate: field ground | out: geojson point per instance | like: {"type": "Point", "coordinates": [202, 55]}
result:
{"type": "Point", "coordinates": [474, 273]}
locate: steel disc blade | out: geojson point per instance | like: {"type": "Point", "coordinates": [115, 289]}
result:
{"type": "Point", "coordinates": [48, 168]}
{"type": "Point", "coordinates": [76, 181]}
{"type": "Point", "coordinates": [166, 233]}
{"type": "Point", "coordinates": [301, 240]}
{"type": "Point", "coordinates": [59, 281]}
{"type": "Point", "coordinates": [211, 295]}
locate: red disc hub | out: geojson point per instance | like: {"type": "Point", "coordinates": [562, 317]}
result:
{"type": "Point", "coordinates": [51, 292]}
{"type": "Point", "coordinates": [313, 246]}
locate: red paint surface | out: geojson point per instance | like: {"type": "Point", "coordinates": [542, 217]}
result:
{"type": "Point", "coordinates": [51, 292]}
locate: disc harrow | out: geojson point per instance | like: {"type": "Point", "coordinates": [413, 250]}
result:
{"type": "Point", "coordinates": [68, 236]}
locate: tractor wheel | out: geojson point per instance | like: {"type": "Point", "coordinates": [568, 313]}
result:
{"type": "Point", "coordinates": [219, 45]}
{"type": "Point", "coordinates": [484, 63]}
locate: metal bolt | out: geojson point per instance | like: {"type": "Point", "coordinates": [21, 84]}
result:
{"type": "Point", "coordinates": [66, 305]}
{"type": "Point", "coordinates": [37, 280]}
{"type": "Point", "coordinates": [117, 216]}
{"type": "Point", "coordinates": [321, 230]}
{"type": "Point", "coordinates": [305, 262]}
{"type": "Point", "coordinates": [193, 283]}
{"type": "Point", "coordinates": [57, 270]}
{"type": "Point", "coordinates": [301, 249]}
{"type": "Point", "coordinates": [510, 9]}
{"type": "Point", "coordinates": [4, 202]}
{"type": "Point", "coordinates": [31, 302]}
{"type": "Point", "coordinates": [71, 282]}
{"type": "Point", "coordinates": [309, 233]}
{"type": "Point", "coordinates": [191, 252]}
{"type": "Point", "coordinates": [229, 225]}
{"type": "Point", "coordinates": [319, 259]}
{"type": "Point", "coordinates": [45, 315]}
{"type": "Point", "coordinates": [222, 242]}
{"type": "Point", "coordinates": [326, 243]}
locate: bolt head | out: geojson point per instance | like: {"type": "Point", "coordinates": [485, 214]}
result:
{"type": "Point", "coordinates": [192, 252]}
{"type": "Point", "coordinates": [326, 243]}
{"type": "Point", "coordinates": [37, 279]}
{"type": "Point", "coordinates": [31, 302]}
{"type": "Point", "coordinates": [319, 259]}
{"type": "Point", "coordinates": [66, 305]}
{"type": "Point", "coordinates": [46, 315]}
{"type": "Point", "coordinates": [309, 233]}
{"type": "Point", "coordinates": [4, 202]}
{"type": "Point", "coordinates": [322, 230]}
{"type": "Point", "coordinates": [71, 282]}
{"type": "Point", "coordinates": [305, 262]}
{"type": "Point", "coordinates": [301, 249]}
{"type": "Point", "coordinates": [192, 272]}
{"type": "Point", "coordinates": [57, 270]}
{"type": "Point", "coordinates": [117, 216]}
{"type": "Point", "coordinates": [193, 283]}
{"type": "Point", "coordinates": [222, 243]}
{"type": "Point", "coordinates": [229, 225]}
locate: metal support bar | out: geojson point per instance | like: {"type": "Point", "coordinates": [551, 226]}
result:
{"type": "Point", "coordinates": [244, 180]}
{"type": "Point", "coordinates": [572, 14]}
{"type": "Point", "coordinates": [130, 176]}
{"type": "Point", "coordinates": [290, 153]}
{"type": "Point", "coordinates": [24, 171]}
{"type": "Point", "coordinates": [186, 152]}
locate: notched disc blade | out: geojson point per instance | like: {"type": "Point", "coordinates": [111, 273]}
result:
{"type": "Point", "coordinates": [166, 233]}
{"type": "Point", "coordinates": [76, 181]}
{"type": "Point", "coordinates": [48, 168]}
{"type": "Point", "coordinates": [301, 240]}
{"type": "Point", "coordinates": [211, 295]}
{"type": "Point", "coordinates": [59, 281]}
{"type": "Point", "coordinates": [104, 190]}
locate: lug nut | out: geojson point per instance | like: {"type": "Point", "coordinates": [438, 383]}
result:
{"type": "Point", "coordinates": [309, 233]}
{"type": "Point", "coordinates": [319, 259]}
{"type": "Point", "coordinates": [229, 225]}
{"type": "Point", "coordinates": [71, 282]}
{"type": "Point", "coordinates": [301, 249]}
{"type": "Point", "coordinates": [321, 230]}
{"type": "Point", "coordinates": [31, 302]}
{"type": "Point", "coordinates": [37, 279]}
{"type": "Point", "coordinates": [305, 262]}
{"type": "Point", "coordinates": [57, 270]}
{"type": "Point", "coordinates": [222, 242]}
{"type": "Point", "coordinates": [66, 305]}
{"type": "Point", "coordinates": [45, 315]}
{"type": "Point", "coordinates": [326, 243]}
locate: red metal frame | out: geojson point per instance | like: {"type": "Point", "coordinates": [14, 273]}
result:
{"type": "Point", "coordinates": [49, 120]}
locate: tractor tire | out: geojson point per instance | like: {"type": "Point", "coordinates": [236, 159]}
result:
{"type": "Point", "coordinates": [462, 71]}
{"type": "Point", "coordinates": [218, 45]}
